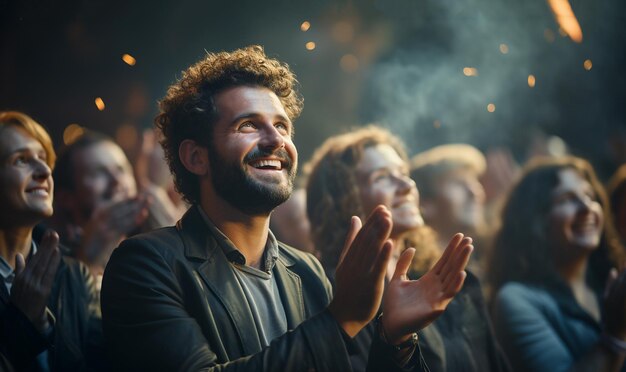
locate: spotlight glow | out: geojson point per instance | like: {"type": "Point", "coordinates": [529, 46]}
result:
{"type": "Point", "coordinates": [99, 104]}
{"type": "Point", "coordinates": [129, 60]}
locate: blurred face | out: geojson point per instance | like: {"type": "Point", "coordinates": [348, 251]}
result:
{"type": "Point", "coordinates": [26, 186]}
{"type": "Point", "coordinates": [460, 200]}
{"type": "Point", "coordinates": [384, 179]}
{"type": "Point", "coordinates": [253, 160]}
{"type": "Point", "coordinates": [575, 220]}
{"type": "Point", "coordinates": [102, 174]}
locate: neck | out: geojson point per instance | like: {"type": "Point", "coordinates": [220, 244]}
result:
{"type": "Point", "coordinates": [574, 270]}
{"type": "Point", "coordinates": [248, 233]}
{"type": "Point", "coordinates": [13, 241]}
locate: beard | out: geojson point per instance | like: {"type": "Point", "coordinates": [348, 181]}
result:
{"type": "Point", "coordinates": [234, 184]}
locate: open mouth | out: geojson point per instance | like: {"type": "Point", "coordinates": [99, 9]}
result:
{"type": "Point", "coordinates": [267, 164]}
{"type": "Point", "coordinates": [39, 191]}
{"type": "Point", "coordinates": [586, 225]}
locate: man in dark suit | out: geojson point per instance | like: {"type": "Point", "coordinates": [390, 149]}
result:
{"type": "Point", "coordinates": [217, 290]}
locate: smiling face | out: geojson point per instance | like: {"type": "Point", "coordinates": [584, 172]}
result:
{"type": "Point", "coordinates": [253, 159]}
{"type": "Point", "coordinates": [383, 178]}
{"type": "Point", "coordinates": [576, 217]}
{"type": "Point", "coordinates": [102, 174]}
{"type": "Point", "coordinates": [26, 185]}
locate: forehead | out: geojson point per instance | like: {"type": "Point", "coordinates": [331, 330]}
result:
{"type": "Point", "coordinates": [246, 100]}
{"type": "Point", "coordinates": [571, 179]}
{"type": "Point", "coordinates": [377, 157]}
{"type": "Point", "coordinates": [14, 138]}
{"type": "Point", "coordinates": [103, 153]}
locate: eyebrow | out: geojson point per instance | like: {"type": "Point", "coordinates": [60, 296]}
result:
{"type": "Point", "coordinates": [251, 115]}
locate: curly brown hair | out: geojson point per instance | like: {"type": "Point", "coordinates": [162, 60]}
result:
{"type": "Point", "coordinates": [333, 195]}
{"type": "Point", "coordinates": [522, 250]}
{"type": "Point", "coordinates": [188, 110]}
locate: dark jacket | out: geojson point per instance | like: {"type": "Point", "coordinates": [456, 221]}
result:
{"type": "Point", "coordinates": [76, 339]}
{"type": "Point", "coordinates": [462, 338]}
{"type": "Point", "coordinates": [171, 302]}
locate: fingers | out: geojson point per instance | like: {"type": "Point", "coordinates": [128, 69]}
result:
{"type": "Point", "coordinates": [382, 261]}
{"type": "Point", "coordinates": [454, 242]}
{"type": "Point", "coordinates": [373, 235]}
{"type": "Point", "coordinates": [404, 262]}
{"type": "Point", "coordinates": [355, 226]}
{"type": "Point", "coordinates": [38, 263]}
{"type": "Point", "coordinates": [455, 285]}
{"type": "Point", "coordinates": [43, 265]}
{"type": "Point", "coordinates": [50, 243]}
{"type": "Point", "coordinates": [369, 241]}
{"type": "Point", "coordinates": [126, 215]}
{"type": "Point", "coordinates": [458, 263]}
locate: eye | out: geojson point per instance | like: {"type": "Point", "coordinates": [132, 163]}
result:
{"type": "Point", "coordinates": [381, 176]}
{"type": "Point", "coordinates": [21, 160]}
{"type": "Point", "coordinates": [282, 127]}
{"type": "Point", "coordinates": [246, 125]}
{"type": "Point", "coordinates": [565, 198]}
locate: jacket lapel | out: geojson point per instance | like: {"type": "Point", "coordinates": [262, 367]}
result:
{"type": "Point", "coordinates": [290, 288]}
{"type": "Point", "coordinates": [208, 258]}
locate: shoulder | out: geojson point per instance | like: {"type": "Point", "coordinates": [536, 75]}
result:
{"type": "Point", "coordinates": [165, 241]}
{"type": "Point", "coordinates": [159, 237]}
{"type": "Point", "coordinates": [515, 297]}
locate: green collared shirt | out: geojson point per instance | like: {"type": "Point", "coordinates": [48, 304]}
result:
{"type": "Point", "coordinates": [259, 286]}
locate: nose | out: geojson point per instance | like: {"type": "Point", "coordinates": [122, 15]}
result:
{"type": "Point", "coordinates": [271, 139]}
{"type": "Point", "coordinates": [405, 184]}
{"type": "Point", "coordinates": [476, 190]}
{"type": "Point", "coordinates": [585, 203]}
{"type": "Point", "coordinates": [42, 170]}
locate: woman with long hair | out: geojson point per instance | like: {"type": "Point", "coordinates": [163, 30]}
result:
{"type": "Point", "coordinates": [351, 174]}
{"type": "Point", "coordinates": [550, 263]}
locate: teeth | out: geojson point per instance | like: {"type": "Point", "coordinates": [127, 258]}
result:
{"type": "Point", "coordinates": [267, 163]}
{"type": "Point", "coordinates": [41, 192]}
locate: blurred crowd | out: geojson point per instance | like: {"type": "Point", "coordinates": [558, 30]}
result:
{"type": "Point", "coordinates": [544, 288]}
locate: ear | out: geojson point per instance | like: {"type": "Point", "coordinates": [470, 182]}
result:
{"type": "Point", "coordinates": [195, 158]}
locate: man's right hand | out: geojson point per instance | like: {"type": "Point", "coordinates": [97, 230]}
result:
{"type": "Point", "coordinates": [360, 274]}
{"type": "Point", "coordinates": [34, 279]}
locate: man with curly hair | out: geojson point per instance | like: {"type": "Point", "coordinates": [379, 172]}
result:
{"type": "Point", "coordinates": [217, 291]}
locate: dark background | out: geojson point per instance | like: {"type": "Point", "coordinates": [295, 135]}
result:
{"type": "Point", "coordinates": [402, 66]}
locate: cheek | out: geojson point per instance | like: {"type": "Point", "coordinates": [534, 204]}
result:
{"type": "Point", "coordinates": [558, 221]}
{"type": "Point", "coordinates": [130, 185]}
{"type": "Point", "coordinates": [374, 198]}
{"type": "Point", "coordinates": [92, 188]}
{"type": "Point", "coordinates": [597, 209]}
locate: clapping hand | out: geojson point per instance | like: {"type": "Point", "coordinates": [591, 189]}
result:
{"type": "Point", "coordinates": [410, 305]}
{"type": "Point", "coordinates": [34, 279]}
